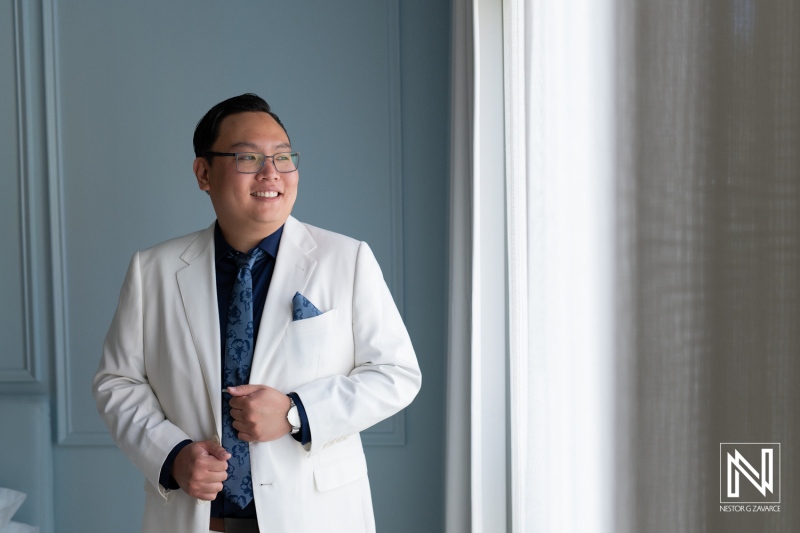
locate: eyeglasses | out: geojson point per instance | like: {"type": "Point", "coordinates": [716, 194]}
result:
{"type": "Point", "coordinates": [253, 162]}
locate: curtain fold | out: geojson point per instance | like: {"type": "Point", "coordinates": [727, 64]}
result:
{"type": "Point", "coordinates": [458, 508]}
{"type": "Point", "coordinates": [476, 464]}
{"type": "Point", "coordinates": [709, 187]}
{"type": "Point", "coordinates": [560, 195]}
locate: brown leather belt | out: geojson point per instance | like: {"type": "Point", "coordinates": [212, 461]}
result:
{"type": "Point", "coordinates": [233, 525]}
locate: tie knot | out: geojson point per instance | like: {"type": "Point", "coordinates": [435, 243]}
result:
{"type": "Point", "coordinates": [248, 260]}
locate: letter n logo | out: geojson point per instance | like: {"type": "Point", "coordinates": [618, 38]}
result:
{"type": "Point", "coordinates": [750, 472]}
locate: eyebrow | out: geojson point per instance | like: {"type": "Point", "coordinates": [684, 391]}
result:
{"type": "Point", "coordinates": [245, 144]}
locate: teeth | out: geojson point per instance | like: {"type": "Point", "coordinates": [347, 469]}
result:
{"type": "Point", "coordinates": [266, 194]}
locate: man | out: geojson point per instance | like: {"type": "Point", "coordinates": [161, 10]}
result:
{"type": "Point", "coordinates": [243, 360]}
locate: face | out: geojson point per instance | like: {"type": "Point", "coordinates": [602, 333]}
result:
{"type": "Point", "coordinates": [249, 207]}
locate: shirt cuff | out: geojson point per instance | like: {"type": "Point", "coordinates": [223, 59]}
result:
{"type": "Point", "coordinates": [304, 435]}
{"type": "Point", "coordinates": [165, 479]}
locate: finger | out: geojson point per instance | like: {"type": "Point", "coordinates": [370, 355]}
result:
{"type": "Point", "coordinates": [211, 482]}
{"type": "Point", "coordinates": [245, 416]}
{"type": "Point", "coordinates": [222, 455]}
{"type": "Point", "coordinates": [208, 492]}
{"type": "Point", "coordinates": [237, 414]}
{"type": "Point", "coordinates": [237, 403]}
{"type": "Point", "coordinates": [209, 478]}
{"type": "Point", "coordinates": [215, 449]}
{"type": "Point", "coordinates": [216, 476]}
{"type": "Point", "coordinates": [244, 390]}
{"type": "Point", "coordinates": [215, 464]}
{"type": "Point", "coordinates": [240, 425]}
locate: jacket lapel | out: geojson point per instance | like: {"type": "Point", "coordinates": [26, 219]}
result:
{"type": "Point", "coordinates": [293, 268]}
{"type": "Point", "coordinates": [198, 286]}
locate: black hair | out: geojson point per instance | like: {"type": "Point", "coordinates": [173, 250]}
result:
{"type": "Point", "coordinates": [207, 130]}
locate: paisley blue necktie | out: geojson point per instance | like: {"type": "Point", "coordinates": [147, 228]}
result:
{"type": "Point", "coordinates": [238, 488]}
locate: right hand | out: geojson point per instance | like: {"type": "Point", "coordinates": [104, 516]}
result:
{"type": "Point", "coordinates": [200, 468]}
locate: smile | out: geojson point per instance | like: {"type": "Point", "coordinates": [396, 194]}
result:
{"type": "Point", "coordinates": [265, 194]}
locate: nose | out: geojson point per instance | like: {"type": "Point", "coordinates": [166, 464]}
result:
{"type": "Point", "coordinates": [268, 171]}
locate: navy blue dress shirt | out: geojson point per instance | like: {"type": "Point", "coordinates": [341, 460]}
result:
{"type": "Point", "coordinates": [226, 271]}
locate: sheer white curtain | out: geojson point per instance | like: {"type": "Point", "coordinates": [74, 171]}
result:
{"type": "Point", "coordinates": [547, 288]}
{"type": "Point", "coordinates": [560, 145]}
{"type": "Point", "coordinates": [476, 465]}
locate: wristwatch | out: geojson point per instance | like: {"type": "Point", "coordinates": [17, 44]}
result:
{"type": "Point", "coordinates": [293, 417]}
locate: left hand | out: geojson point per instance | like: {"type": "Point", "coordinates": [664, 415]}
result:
{"type": "Point", "coordinates": [259, 412]}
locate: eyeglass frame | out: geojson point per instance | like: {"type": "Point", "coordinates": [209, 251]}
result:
{"type": "Point", "coordinates": [270, 157]}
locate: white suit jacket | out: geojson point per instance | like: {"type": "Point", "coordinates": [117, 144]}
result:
{"type": "Point", "coordinates": [159, 381]}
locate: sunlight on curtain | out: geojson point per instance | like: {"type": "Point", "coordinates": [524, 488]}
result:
{"type": "Point", "coordinates": [489, 267]}
{"type": "Point", "coordinates": [476, 464]}
{"type": "Point", "coordinates": [559, 138]}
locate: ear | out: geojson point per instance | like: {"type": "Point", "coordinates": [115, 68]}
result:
{"type": "Point", "coordinates": [201, 169]}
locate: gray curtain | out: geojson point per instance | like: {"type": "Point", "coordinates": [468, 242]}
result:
{"type": "Point", "coordinates": [458, 494]}
{"type": "Point", "coordinates": [708, 280]}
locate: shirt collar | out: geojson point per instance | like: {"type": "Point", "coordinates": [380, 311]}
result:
{"type": "Point", "coordinates": [269, 244]}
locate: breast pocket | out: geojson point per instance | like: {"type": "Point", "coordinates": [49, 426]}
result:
{"type": "Point", "coordinates": [317, 325]}
{"type": "Point", "coordinates": [307, 343]}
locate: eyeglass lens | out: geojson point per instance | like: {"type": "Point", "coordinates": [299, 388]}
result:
{"type": "Point", "coordinates": [253, 162]}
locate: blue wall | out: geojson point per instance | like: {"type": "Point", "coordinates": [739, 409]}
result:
{"type": "Point", "coordinates": [98, 109]}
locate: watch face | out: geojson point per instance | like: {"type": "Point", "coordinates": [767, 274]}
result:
{"type": "Point", "coordinates": [293, 417]}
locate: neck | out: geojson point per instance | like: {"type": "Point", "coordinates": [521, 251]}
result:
{"type": "Point", "coordinates": [245, 241]}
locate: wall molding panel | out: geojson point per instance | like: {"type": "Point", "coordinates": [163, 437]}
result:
{"type": "Point", "coordinates": [100, 100]}
{"type": "Point", "coordinates": [31, 440]}
{"type": "Point", "coordinates": [390, 432]}
{"type": "Point", "coordinates": [65, 433]}
{"type": "Point", "coordinates": [396, 155]}
{"type": "Point", "coordinates": [21, 364]}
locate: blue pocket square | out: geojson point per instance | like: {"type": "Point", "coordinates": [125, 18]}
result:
{"type": "Point", "coordinates": [302, 308]}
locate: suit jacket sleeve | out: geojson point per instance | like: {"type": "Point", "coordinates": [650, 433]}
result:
{"type": "Point", "coordinates": [386, 376]}
{"type": "Point", "coordinates": [124, 397]}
